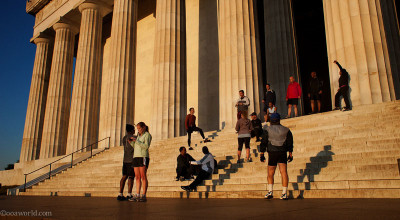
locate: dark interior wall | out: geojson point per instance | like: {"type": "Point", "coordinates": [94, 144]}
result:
{"type": "Point", "coordinates": [311, 48]}
{"type": "Point", "coordinates": [208, 90]}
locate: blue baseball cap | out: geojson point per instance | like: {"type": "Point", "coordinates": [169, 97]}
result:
{"type": "Point", "coordinates": [275, 117]}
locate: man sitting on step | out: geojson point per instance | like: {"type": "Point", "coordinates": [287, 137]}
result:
{"type": "Point", "coordinates": [277, 140]}
{"type": "Point", "coordinates": [127, 168]}
{"type": "Point", "coordinates": [184, 170]}
{"type": "Point", "coordinates": [207, 169]}
{"type": "Point", "coordinates": [190, 125]}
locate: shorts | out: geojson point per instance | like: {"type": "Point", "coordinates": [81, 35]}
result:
{"type": "Point", "coordinates": [292, 101]}
{"type": "Point", "coordinates": [127, 170]}
{"type": "Point", "coordinates": [315, 96]}
{"type": "Point", "coordinates": [141, 162]}
{"type": "Point", "coordinates": [245, 141]}
{"type": "Point", "coordinates": [277, 157]}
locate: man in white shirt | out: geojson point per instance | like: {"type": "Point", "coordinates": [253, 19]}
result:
{"type": "Point", "coordinates": [242, 104]}
{"type": "Point", "coordinates": [207, 168]}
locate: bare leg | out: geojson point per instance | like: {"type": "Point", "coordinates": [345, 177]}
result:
{"type": "Point", "coordinates": [312, 105]}
{"type": "Point", "coordinates": [285, 177]}
{"type": "Point", "coordinates": [289, 111]}
{"type": "Point", "coordinates": [138, 180]}
{"type": "Point", "coordinates": [239, 154]}
{"type": "Point", "coordinates": [247, 153]}
{"type": "Point", "coordinates": [295, 110]}
{"type": "Point", "coordinates": [122, 184]}
{"type": "Point", "coordinates": [130, 185]}
{"type": "Point", "coordinates": [319, 105]}
{"type": "Point", "coordinates": [271, 173]}
{"type": "Point", "coordinates": [145, 183]}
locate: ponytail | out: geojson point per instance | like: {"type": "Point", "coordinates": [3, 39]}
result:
{"type": "Point", "coordinates": [143, 125]}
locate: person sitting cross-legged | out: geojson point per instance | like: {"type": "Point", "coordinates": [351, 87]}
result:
{"type": "Point", "coordinates": [184, 170]}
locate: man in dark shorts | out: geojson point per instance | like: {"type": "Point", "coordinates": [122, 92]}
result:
{"type": "Point", "coordinates": [293, 95]}
{"type": "Point", "coordinates": [257, 127]}
{"type": "Point", "coordinates": [190, 125]}
{"type": "Point", "coordinates": [127, 167]}
{"type": "Point", "coordinates": [314, 92]}
{"type": "Point", "coordinates": [277, 140]}
{"type": "Point", "coordinates": [343, 89]}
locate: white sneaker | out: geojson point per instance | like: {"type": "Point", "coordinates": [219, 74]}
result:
{"type": "Point", "coordinates": [284, 196]}
{"type": "Point", "coordinates": [269, 195]}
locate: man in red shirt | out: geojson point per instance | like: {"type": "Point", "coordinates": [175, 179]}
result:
{"type": "Point", "coordinates": [190, 124]}
{"type": "Point", "coordinates": [293, 95]}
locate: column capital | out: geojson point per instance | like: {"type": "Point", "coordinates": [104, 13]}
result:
{"type": "Point", "coordinates": [66, 25]}
{"type": "Point", "coordinates": [99, 5]}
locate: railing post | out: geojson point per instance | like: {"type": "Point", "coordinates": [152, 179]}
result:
{"type": "Point", "coordinates": [25, 184]}
{"type": "Point", "coordinates": [50, 172]}
{"type": "Point", "coordinates": [91, 150]}
{"type": "Point", "coordinates": [109, 142]}
{"type": "Point", "coordinates": [72, 159]}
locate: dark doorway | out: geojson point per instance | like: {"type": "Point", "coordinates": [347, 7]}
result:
{"type": "Point", "coordinates": [312, 50]}
{"type": "Point", "coordinates": [397, 10]}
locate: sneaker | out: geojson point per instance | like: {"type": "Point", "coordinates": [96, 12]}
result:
{"type": "Point", "coordinates": [181, 178]}
{"type": "Point", "coordinates": [284, 196]}
{"type": "Point", "coordinates": [346, 109]}
{"type": "Point", "coordinates": [121, 198]}
{"type": "Point", "coordinates": [206, 140]}
{"type": "Point", "coordinates": [133, 198]}
{"type": "Point", "coordinates": [335, 109]}
{"type": "Point", "coordinates": [249, 160]}
{"type": "Point", "coordinates": [269, 195]}
{"type": "Point", "coordinates": [142, 198]}
{"type": "Point", "coordinates": [238, 161]}
{"type": "Point", "coordinates": [128, 197]}
{"type": "Point", "coordinates": [190, 148]}
{"type": "Point", "coordinates": [186, 188]}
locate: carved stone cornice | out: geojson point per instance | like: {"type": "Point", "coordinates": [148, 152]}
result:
{"type": "Point", "coordinates": [34, 6]}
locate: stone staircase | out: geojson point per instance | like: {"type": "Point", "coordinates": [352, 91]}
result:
{"type": "Point", "coordinates": [337, 154]}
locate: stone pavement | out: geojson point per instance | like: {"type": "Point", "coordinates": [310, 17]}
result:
{"type": "Point", "coordinates": [110, 208]}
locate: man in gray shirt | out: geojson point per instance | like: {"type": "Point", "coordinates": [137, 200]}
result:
{"type": "Point", "coordinates": [127, 168]}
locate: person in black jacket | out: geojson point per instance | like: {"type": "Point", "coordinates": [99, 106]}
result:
{"type": "Point", "coordinates": [343, 89]}
{"type": "Point", "coordinates": [257, 127]}
{"type": "Point", "coordinates": [183, 169]}
{"type": "Point", "coordinates": [127, 168]}
{"type": "Point", "coordinates": [314, 92]}
{"type": "Point", "coordinates": [277, 140]}
{"type": "Point", "coordinates": [270, 96]}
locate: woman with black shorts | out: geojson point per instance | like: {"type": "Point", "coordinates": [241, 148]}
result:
{"type": "Point", "coordinates": [244, 127]}
{"type": "Point", "coordinates": [141, 160]}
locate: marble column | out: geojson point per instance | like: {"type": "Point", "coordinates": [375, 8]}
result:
{"type": "Point", "coordinates": [280, 48]}
{"type": "Point", "coordinates": [169, 86]}
{"type": "Point", "coordinates": [32, 136]}
{"type": "Point", "coordinates": [355, 38]}
{"type": "Point", "coordinates": [54, 138]}
{"type": "Point", "coordinates": [120, 75]}
{"type": "Point", "coordinates": [239, 60]}
{"type": "Point", "coordinates": [83, 121]}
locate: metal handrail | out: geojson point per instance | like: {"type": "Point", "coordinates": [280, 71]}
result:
{"type": "Point", "coordinates": [72, 158]}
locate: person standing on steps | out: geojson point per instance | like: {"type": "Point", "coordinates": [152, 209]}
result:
{"type": "Point", "coordinates": [207, 168]}
{"type": "Point", "coordinates": [141, 160]}
{"type": "Point", "coordinates": [277, 140]}
{"type": "Point", "coordinates": [190, 125]}
{"type": "Point", "coordinates": [257, 127]}
{"type": "Point", "coordinates": [244, 128]}
{"type": "Point", "coordinates": [293, 95]}
{"type": "Point", "coordinates": [315, 92]}
{"type": "Point", "coordinates": [242, 104]}
{"type": "Point", "coordinates": [127, 167]}
{"type": "Point", "coordinates": [270, 96]}
{"type": "Point", "coordinates": [343, 89]}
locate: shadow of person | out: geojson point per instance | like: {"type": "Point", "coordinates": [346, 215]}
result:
{"type": "Point", "coordinates": [313, 168]}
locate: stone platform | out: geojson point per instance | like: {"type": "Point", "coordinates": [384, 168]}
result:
{"type": "Point", "coordinates": [337, 154]}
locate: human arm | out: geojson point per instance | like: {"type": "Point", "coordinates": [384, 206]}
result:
{"type": "Point", "coordinates": [205, 159]}
{"type": "Point", "coordinates": [145, 144]}
{"type": "Point", "coordinates": [298, 90]}
{"type": "Point", "coordinates": [247, 103]}
{"type": "Point", "coordinates": [338, 64]}
{"type": "Point", "coordinates": [187, 122]}
{"type": "Point", "coordinates": [237, 127]}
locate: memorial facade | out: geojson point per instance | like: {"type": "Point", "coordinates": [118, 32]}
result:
{"type": "Point", "coordinates": [100, 64]}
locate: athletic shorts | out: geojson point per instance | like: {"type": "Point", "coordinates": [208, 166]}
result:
{"type": "Point", "coordinates": [315, 96]}
{"type": "Point", "coordinates": [245, 141]}
{"type": "Point", "coordinates": [127, 170]}
{"type": "Point", "coordinates": [276, 157]}
{"type": "Point", "coordinates": [141, 162]}
{"type": "Point", "coordinates": [292, 101]}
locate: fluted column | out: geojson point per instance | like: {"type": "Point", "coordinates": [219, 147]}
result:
{"type": "Point", "coordinates": [355, 38]}
{"type": "Point", "coordinates": [31, 140]}
{"type": "Point", "coordinates": [83, 121]}
{"type": "Point", "coordinates": [120, 75]}
{"type": "Point", "coordinates": [169, 86]}
{"type": "Point", "coordinates": [239, 66]}
{"type": "Point", "coordinates": [280, 48]}
{"type": "Point", "coordinates": [54, 138]}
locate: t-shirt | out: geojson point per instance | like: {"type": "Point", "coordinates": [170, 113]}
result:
{"type": "Point", "coordinates": [128, 149]}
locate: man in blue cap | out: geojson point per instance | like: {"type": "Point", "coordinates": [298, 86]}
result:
{"type": "Point", "coordinates": [277, 140]}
